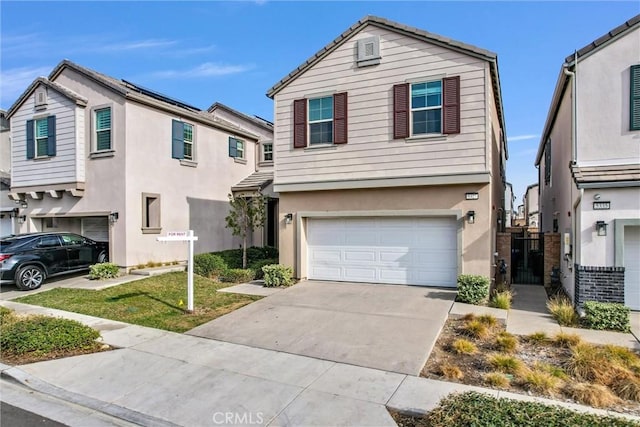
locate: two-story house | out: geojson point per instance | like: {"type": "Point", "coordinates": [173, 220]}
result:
{"type": "Point", "coordinates": [117, 162]}
{"type": "Point", "coordinates": [531, 208]}
{"type": "Point", "coordinates": [509, 198]}
{"type": "Point", "coordinates": [390, 155]}
{"type": "Point", "coordinates": [8, 209]}
{"type": "Point", "coordinates": [589, 168]}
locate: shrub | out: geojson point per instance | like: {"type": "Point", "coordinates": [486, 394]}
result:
{"type": "Point", "coordinates": [40, 335]}
{"type": "Point", "coordinates": [257, 266]}
{"type": "Point", "coordinates": [541, 382]}
{"type": "Point", "coordinates": [462, 346]}
{"type": "Point", "coordinates": [538, 337]}
{"type": "Point", "coordinates": [502, 300]}
{"type": "Point", "coordinates": [104, 270]}
{"type": "Point", "coordinates": [606, 315]}
{"type": "Point", "coordinates": [469, 316]}
{"type": "Point", "coordinates": [479, 409]}
{"type": "Point", "coordinates": [563, 339]}
{"type": "Point", "coordinates": [506, 342]}
{"type": "Point", "coordinates": [233, 257]}
{"type": "Point", "coordinates": [476, 329]}
{"type": "Point", "coordinates": [6, 315]}
{"type": "Point", "coordinates": [506, 364]}
{"type": "Point", "coordinates": [237, 275]}
{"type": "Point", "coordinates": [562, 310]}
{"type": "Point", "coordinates": [451, 371]}
{"type": "Point", "coordinates": [589, 363]}
{"type": "Point", "coordinates": [594, 395]}
{"type": "Point", "coordinates": [208, 265]}
{"type": "Point", "coordinates": [497, 379]}
{"type": "Point", "coordinates": [473, 289]}
{"type": "Point", "coordinates": [277, 275]}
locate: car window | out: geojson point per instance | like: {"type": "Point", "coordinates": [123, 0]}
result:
{"type": "Point", "coordinates": [71, 239]}
{"type": "Point", "coordinates": [48, 242]}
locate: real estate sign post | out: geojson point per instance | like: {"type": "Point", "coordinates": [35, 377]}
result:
{"type": "Point", "coordinates": [184, 236]}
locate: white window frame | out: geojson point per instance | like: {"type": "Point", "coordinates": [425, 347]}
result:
{"type": "Point", "coordinates": [239, 149]}
{"type": "Point", "coordinates": [412, 110]}
{"type": "Point", "coordinates": [96, 130]}
{"type": "Point", "coordinates": [35, 137]}
{"type": "Point", "coordinates": [186, 142]}
{"type": "Point", "coordinates": [310, 122]}
{"type": "Point", "coordinates": [265, 152]}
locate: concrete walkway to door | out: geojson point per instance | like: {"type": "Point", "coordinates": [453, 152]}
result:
{"type": "Point", "coordinates": [387, 327]}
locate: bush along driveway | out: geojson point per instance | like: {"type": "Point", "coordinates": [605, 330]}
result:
{"type": "Point", "coordinates": [157, 302]}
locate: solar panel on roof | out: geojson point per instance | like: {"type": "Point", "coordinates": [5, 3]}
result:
{"type": "Point", "coordinates": [159, 96]}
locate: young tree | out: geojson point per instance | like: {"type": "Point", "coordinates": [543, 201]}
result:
{"type": "Point", "coordinates": [246, 214]}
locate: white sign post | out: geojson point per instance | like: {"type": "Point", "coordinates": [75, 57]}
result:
{"type": "Point", "coordinates": [184, 236]}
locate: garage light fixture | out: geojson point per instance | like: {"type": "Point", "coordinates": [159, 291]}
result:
{"type": "Point", "coordinates": [113, 217]}
{"type": "Point", "coordinates": [288, 218]}
{"type": "Point", "coordinates": [601, 228]}
{"type": "Point", "coordinates": [471, 217]}
{"type": "Point", "coordinates": [23, 203]}
{"type": "Point", "coordinates": [22, 219]}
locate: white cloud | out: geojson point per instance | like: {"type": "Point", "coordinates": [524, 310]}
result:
{"type": "Point", "coordinates": [528, 152]}
{"type": "Point", "coordinates": [15, 80]}
{"type": "Point", "coordinates": [522, 137]}
{"type": "Point", "coordinates": [208, 69]}
{"type": "Point", "coordinates": [138, 44]}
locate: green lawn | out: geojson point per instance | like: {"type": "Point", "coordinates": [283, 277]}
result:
{"type": "Point", "coordinates": [157, 302]}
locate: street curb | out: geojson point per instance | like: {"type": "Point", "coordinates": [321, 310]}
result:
{"type": "Point", "coordinates": [29, 381]}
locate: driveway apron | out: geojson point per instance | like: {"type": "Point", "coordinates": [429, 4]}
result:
{"type": "Point", "coordinates": [387, 327]}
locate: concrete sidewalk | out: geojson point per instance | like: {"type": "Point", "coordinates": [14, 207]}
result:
{"type": "Point", "coordinates": [160, 378]}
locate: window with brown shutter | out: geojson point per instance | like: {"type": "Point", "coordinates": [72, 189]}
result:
{"type": "Point", "coordinates": [340, 118]}
{"type": "Point", "coordinates": [451, 105]}
{"type": "Point", "coordinates": [299, 123]}
{"type": "Point", "coordinates": [401, 111]}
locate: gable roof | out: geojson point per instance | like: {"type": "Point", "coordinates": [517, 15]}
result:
{"type": "Point", "coordinates": [406, 30]}
{"type": "Point", "coordinates": [265, 124]}
{"type": "Point", "coordinates": [68, 93]}
{"type": "Point", "coordinates": [136, 93]}
{"type": "Point", "coordinates": [570, 61]}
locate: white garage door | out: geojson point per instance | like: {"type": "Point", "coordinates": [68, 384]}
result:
{"type": "Point", "coordinates": [632, 267]}
{"type": "Point", "coordinates": [408, 251]}
{"type": "Point", "coordinates": [96, 228]}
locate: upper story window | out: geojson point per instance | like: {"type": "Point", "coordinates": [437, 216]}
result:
{"type": "Point", "coordinates": [41, 137]}
{"type": "Point", "coordinates": [321, 120]}
{"type": "Point", "coordinates": [430, 107]}
{"type": "Point", "coordinates": [236, 148]}
{"type": "Point", "coordinates": [634, 112]}
{"type": "Point", "coordinates": [183, 142]}
{"type": "Point", "coordinates": [267, 152]}
{"type": "Point", "coordinates": [188, 141]}
{"type": "Point", "coordinates": [103, 129]}
{"type": "Point", "coordinates": [426, 108]}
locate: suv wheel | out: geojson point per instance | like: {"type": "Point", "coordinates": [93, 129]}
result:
{"type": "Point", "coordinates": [29, 278]}
{"type": "Point", "coordinates": [103, 257]}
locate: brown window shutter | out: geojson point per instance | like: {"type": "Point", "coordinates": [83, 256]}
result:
{"type": "Point", "coordinates": [401, 111]}
{"type": "Point", "coordinates": [451, 105]}
{"type": "Point", "coordinates": [340, 118]}
{"type": "Point", "coordinates": [299, 123]}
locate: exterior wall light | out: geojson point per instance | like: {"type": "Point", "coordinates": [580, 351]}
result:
{"type": "Point", "coordinates": [601, 228]}
{"type": "Point", "coordinates": [24, 204]}
{"type": "Point", "coordinates": [288, 218]}
{"type": "Point", "coordinates": [471, 217]}
{"type": "Point", "coordinates": [113, 217]}
{"type": "Point", "coordinates": [22, 219]}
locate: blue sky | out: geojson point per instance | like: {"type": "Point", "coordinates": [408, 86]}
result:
{"type": "Point", "coordinates": [233, 52]}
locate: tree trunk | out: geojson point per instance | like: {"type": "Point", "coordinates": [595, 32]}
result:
{"type": "Point", "coordinates": [244, 251]}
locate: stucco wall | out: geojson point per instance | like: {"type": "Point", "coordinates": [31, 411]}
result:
{"type": "Point", "coordinates": [477, 238]}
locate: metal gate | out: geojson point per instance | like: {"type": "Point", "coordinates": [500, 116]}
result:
{"type": "Point", "coordinates": [527, 258]}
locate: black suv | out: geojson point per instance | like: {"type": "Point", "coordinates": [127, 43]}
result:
{"type": "Point", "coordinates": [28, 259]}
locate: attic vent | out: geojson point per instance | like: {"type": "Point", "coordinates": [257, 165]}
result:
{"type": "Point", "coordinates": [41, 98]}
{"type": "Point", "coordinates": [368, 51]}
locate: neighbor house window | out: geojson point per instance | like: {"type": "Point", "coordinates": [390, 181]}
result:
{"type": "Point", "coordinates": [151, 213]}
{"type": "Point", "coordinates": [426, 108]}
{"type": "Point", "coordinates": [188, 141]}
{"type": "Point", "coordinates": [267, 152]}
{"type": "Point", "coordinates": [236, 148]}
{"type": "Point", "coordinates": [41, 137]}
{"type": "Point", "coordinates": [182, 141]}
{"type": "Point", "coordinates": [321, 120]}
{"type": "Point", "coordinates": [103, 129]}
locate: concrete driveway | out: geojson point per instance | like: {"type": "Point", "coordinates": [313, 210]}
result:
{"type": "Point", "coordinates": [387, 327]}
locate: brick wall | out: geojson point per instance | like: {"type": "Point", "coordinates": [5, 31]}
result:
{"type": "Point", "coordinates": [551, 255]}
{"type": "Point", "coordinates": [604, 284]}
{"type": "Point", "coordinates": [503, 247]}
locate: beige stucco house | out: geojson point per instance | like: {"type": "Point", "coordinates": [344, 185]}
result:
{"type": "Point", "coordinates": [390, 156]}
{"type": "Point", "coordinates": [116, 162]}
{"type": "Point", "coordinates": [589, 168]}
{"type": "Point", "coordinates": [531, 207]}
{"type": "Point", "coordinates": [8, 209]}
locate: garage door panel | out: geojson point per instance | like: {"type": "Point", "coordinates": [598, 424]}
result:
{"type": "Point", "coordinates": [416, 251]}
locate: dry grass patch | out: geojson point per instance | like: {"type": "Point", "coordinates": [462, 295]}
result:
{"type": "Point", "coordinates": [589, 363]}
{"type": "Point", "coordinates": [595, 395]}
{"type": "Point", "coordinates": [451, 371]}
{"type": "Point", "coordinates": [476, 329]}
{"type": "Point", "coordinates": [624, 356]}
{"type": "Point", "coordinates": [497, 379]}
{"type": "Point", "coordinates": [538, 337]}
{"type": "Point", "coordinates": [506, 342]}
{"type": "Point", "coordinates": [553, 370]}
{"type": "Point", "coordinates": [541, 382]}
{"type": "Point", "coordinates": [506, 364]}
{"type": "Point", "coordinates": [563, 339]}
{"type": "Point", "coordinates": [625, 385]}
{"type": "Point", "coordinates": [562, 310]}
{"type": "Point", "coordinates": [463, 346]}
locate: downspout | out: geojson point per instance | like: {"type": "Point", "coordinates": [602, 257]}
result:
{"type": "Point", "coordinates": [574, 148]}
